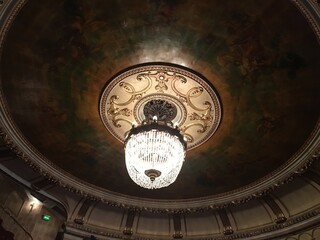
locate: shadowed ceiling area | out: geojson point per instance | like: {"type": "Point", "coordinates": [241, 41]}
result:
{"type": "Point", "coordinates": [59, 55]}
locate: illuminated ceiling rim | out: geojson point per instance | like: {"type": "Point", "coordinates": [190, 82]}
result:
{"type": "Point", "coordinates": [283, 175]}
{"type": "Point", "coordinates": [199, 110]}
{"type": "Point", "coordinates": [15, 140]}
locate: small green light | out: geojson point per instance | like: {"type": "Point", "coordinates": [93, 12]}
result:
{"type": "Point", "coordinates": [46, 217]}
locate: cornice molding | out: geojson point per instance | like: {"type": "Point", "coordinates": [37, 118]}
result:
{"type": "Point", "coordinates": [151, 205]}
{"type": "Point", "coordinates": [15, 140]}
{"type": "Point", "coordinates": [267, 232]}
{"type": "Point", "coordinates": [310, 9]}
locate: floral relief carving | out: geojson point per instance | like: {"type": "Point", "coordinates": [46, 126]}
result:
{"type": "Point", "coordinates": [198, 108]}
{"type": "Point", "coordinates": [162, 80]}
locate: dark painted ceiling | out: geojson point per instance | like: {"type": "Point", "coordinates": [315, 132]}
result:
{"type": "Point", "coordinates": [261, 56]}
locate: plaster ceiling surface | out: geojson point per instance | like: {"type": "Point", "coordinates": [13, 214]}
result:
{"type": "Point", "coordinates": [262, 58]}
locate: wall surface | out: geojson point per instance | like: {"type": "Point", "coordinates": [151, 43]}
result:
{"type": "Point", "coordinates": [22, 213]}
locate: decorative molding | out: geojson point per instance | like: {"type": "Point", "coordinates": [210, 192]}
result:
{"type": "Point", "coordinates": [83, 210]}
{"type": "Point", "coordinates": [313, 175]}
{"type": "Point", "coordinates": [42, 184]}
{"type": "Point", "coordinates": [125, 100]}
{"type": "Point", "coordinates": [227, 228]}
{"type": "Point", "coordinates": [312, 233]}
{"type": "Point", "coordinates": [24, 150]}
{"type": "Point", "coordinates": [280, 217]}
{"type": "Point", "coordinates": [311, 11]}
{"type": "Point", "coordinates": [205, 206]}
{"type": "Point", "coordinates": [129, 223]}
{"type": "Point", "coordinates": [271, 230]}
{"type": "Point", "coordinates": [177, 234]}
{"type": "Point", "coordinates": [8, 11]}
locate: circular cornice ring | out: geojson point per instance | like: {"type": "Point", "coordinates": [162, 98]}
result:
{"type": "Point", "coordinates": [16, 141]}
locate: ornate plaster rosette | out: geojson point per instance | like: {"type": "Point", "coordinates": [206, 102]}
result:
{"type": "Point", "coordinates": [126, 100]}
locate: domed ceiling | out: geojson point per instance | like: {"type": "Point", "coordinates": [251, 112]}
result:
{"type": "Point", "coordinates": [262, 58]}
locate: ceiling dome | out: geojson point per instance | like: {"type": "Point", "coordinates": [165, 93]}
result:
{"type": "Point", "coordinates": [55, 68]}
{"type": "Point", "coordinates": [240, 79]}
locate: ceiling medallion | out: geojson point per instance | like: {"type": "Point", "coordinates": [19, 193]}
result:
{"type": "Point", "coordinates": [159, 111]}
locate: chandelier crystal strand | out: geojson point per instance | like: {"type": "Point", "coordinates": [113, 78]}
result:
{"type": "Point", "coordinates": [154, 157]}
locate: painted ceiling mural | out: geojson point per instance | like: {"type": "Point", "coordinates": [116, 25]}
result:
{"type": "Point", "coordinates": [58, 56]}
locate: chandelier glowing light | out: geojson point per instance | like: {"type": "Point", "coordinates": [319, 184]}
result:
{"type": "Point", "coordinates": [154, 154]}
{"type": "Point", "coordinates": [153, 96]}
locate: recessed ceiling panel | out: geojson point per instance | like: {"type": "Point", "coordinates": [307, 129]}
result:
{"type": "Point", "coordinates": [262, 59]}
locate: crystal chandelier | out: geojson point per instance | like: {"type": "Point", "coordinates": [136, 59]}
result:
{"type": "Point", "coordinates": [155, 150]}
{"type": "Point", "coordinates": [153, 96]}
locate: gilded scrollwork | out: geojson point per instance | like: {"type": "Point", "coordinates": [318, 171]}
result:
{"type": "Point", "coordinates": [194, 93]}
{"type": "Point", "coordinates": [205, 117]}
{"type": "Point", "coordinates": [183, 80]}
{"type": "Point", "coordinates": [131, 91]}
{"type": "Point", "coordinates": [114, 112]}
{"type": "Point", "coordinates": [200, 126]}
{"type": "Point", "coordinates": [125, 102]}
{"type": "Point", "coordinates": [201, 117]}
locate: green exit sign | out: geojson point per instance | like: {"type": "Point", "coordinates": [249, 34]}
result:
{"type": "Point", "coordinates": [46, 217]}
